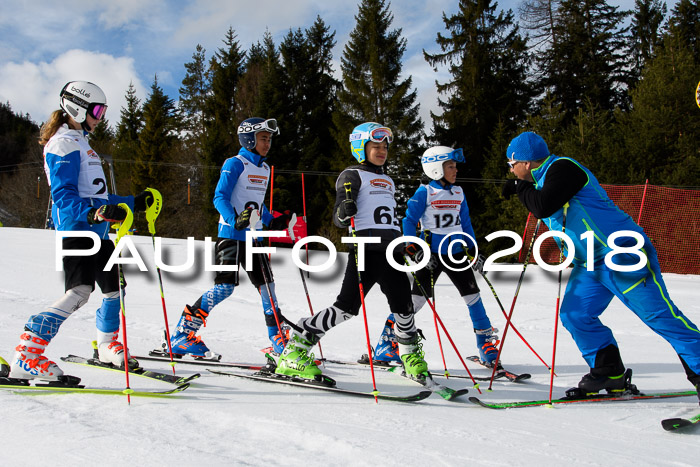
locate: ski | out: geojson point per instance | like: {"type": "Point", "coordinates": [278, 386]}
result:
{"type": "Point", "coordinates": [673, 424]}
{"type": "Point", "coordinates": [274, 378]}
{"type": "Point", "coordinates": [500, 372]}
{"type": "Point", "coordinates": [22, 386]}
{"type": "Point", "coordinates": [429, 383]}
{"type": "Point", "coordinates": [596, 398]}
{"type": "Point", "coordinates": [166, 378]}
{"type": "Point", "coordinates": [203, 361]}
{"type": "Point", "coordinates": [364, 361]}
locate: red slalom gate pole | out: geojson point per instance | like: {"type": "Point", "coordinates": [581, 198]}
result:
{"type": "Point", "coordinates": [303, 200]}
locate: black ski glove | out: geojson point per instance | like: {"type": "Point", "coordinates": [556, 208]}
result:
{"type": "Point", "coordinates": [142, 201]}
{"type": "Point", "coordinates": [510, 188]}
{"type": "Point", "coordinates": [243, 220]}
{"type": "Point", "coordinates": [280, 222]}
{"type": "Point", "coordinates": [346, 210]}
{"type": "Point", "coordinates": [106, 213]}
{"type": "Point", "coordinates": [416, 254]}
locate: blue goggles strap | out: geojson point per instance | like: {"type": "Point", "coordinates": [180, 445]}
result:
{"type": "Point", "coordinates": [456, 155]}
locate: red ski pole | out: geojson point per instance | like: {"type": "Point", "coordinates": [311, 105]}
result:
{"type": "Point", "coordinates": [556, 314]}
{"type": "Point", "coordinates": [515, 298]}
{"type": "Point", "coordinates": [362, 297]}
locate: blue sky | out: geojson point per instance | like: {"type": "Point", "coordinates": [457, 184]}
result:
{"type": "Point", "coordinates": [45, 44]}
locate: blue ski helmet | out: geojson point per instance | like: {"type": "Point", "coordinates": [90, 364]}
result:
{"type": "Point", "coordinates": [364, 133]}
{"type": "Point", "coordinates": [251, 127]}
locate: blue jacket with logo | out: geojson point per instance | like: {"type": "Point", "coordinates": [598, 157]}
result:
{"type": "Point", "coordinates": [590, 210]}
{"type": "Point", "coordinates": [230, 174]}
{"type": "Point", "coordinates": [77, 182]}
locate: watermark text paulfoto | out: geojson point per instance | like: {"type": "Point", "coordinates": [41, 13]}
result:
{"type": "Point", "coordinates": [453, 249]}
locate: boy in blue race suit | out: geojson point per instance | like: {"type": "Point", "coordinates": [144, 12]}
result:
{"type": "Point", "coordinates": [546, 184]}
{"type": "Point", "coordinates": [241, 189]}
{"type": "Point", "coordinates": [442, 211]}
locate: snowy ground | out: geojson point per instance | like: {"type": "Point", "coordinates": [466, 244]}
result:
{"type": "Point", "coordinates": [225, 421]}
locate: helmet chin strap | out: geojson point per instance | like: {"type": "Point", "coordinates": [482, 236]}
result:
{"type": "Point", "coordinates": [85, 126]}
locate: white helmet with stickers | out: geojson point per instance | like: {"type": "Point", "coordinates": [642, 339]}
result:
{"type": "Point", "coordinates": [80, 98]}
{"type": "Point", "coordinates": [434, 157]}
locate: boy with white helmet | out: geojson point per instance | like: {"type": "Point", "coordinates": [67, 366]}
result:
{"type": "Point", "coordinates": [241, 189]}
{"type": "Point", "coordinates": [80, 203]}
{"type": "Point", "coordinates": [363, 192]}
{"type": "Point", "coordinates": [442, 211]}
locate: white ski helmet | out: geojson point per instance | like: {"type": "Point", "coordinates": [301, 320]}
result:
{"type": "Point", "coordinates": [434, 157]}
{"type": "Point", "coordinates": [78, 98]}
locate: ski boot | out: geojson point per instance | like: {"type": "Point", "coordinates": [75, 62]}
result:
{"type": "Point", "coordinates": [411, 351]}
{"type": "Point", "coordinates": [29, 363]}
{"type": "Point", "coordinates": [110, 352]}
{"type": "Point", "coordinates": [278, 339]}
{"type": "Point", "coordinates": [387, 350]}
{"type": "Point", "coordinates": [185, 341]}
{"type": "Point", "coordinates": [590, 385]}
{"type": "Point", "coordinates": [386, 353]}
{"type": "Point", "coordinates": [486, 342]}
{"type": "Point", "coordinates": [296, 360]}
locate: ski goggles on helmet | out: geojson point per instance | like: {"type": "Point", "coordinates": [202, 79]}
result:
{"type": "Point", "coordinates": [97, 111]}
{"type": "Point", "coordinates": [269, 125]}
{"type": "Point", "coordinates": [376, 135]}
{"type": "Point", "coordinates": [457, 155]}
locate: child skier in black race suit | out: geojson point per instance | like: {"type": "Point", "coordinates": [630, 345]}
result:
{"type": "Point", "coordinates": [365, 193]}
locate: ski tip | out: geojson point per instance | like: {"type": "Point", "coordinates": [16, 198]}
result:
{"type": "Point", "coordinates": [672, 424]}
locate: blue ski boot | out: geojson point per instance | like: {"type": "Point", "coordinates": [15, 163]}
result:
{"type": "Point", "coordinates": [278, 339]}
{"type": "Point", "coordinates": [486, 342]}
{"type": "Point", "coordinates": [185, 341]}
{"type": "Point", "coordinates": [387, 350]}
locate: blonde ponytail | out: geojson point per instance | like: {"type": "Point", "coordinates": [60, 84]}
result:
{"type": "Point", "coordinates": [51, 126]}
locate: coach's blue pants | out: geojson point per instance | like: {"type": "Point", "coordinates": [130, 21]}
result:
{"type": "Point", "coordinates": [588, 294]}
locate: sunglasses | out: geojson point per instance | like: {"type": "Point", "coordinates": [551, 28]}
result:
{"type": "Point", "coordinates": [97, 111]}
{"type": "Point", "coordinates": [511, 164]}
{"type": "Point", "coordinates": [269, 125]}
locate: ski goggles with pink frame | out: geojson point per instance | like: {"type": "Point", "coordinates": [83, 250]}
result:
{"type": "Point", "coordinates": [97, 111]}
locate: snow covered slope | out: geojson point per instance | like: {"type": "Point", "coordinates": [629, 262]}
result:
{"type": "Point", "coordinates": [224, 421]}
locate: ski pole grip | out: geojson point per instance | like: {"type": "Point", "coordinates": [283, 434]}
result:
{"type": "Point", "coordinates": [124, 226]}
{"type": "Point", "coordinates": [153, 210]}
{"type": "Point", "coordinates": [348, 190]}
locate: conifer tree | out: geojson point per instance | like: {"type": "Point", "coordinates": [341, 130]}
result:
{"type": "Point", "coordinates": [588, 60]}
{"type": "Point", "coordinates": [220, 142]}
{"type": "Point", "coordinates": [306, 142]}
{"type": "Point", "coordinates": [155, 138]}
{"type": "Point", "coordinates": [487, 61]}
{"type": "Point", "coordinates": [662, 128]}
{"type": "Point", "coordinates": [684, 25]}
{"type": "Point", "coordinates": [126, 144]}
{"type": "Point", "coordinates": [194, 91]}
{"type": "Point", "coordinates": [372, 90]}
{"type": "Point", "coordinates": [647, 19]}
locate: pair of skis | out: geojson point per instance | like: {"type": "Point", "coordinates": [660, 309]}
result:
{"type": "Point", "coordinates": [71, 384]}
{"type": "Point", "coordinates": [501, 373]}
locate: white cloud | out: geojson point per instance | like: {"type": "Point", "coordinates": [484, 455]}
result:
{"type": "Point", "coordinates": [33, 88]}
